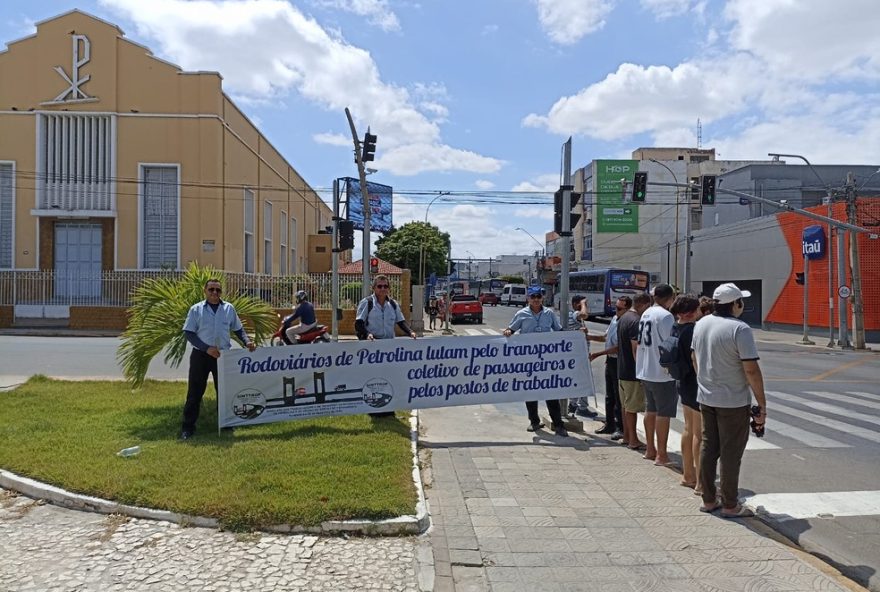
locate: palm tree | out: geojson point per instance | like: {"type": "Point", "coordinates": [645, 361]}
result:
{"type": "Point", "coordinates": [159, 310]}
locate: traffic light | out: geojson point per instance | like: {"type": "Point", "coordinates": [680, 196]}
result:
{"type": "Point", "coordinates": [799, 278]}
{"type": "Point", "coordinates": [557, 210]}
{"type": "Point", "coordinates": [640, 187]}
{"type": "Point", "coordinates": [707, 190]}
{"type": "Point", "coordinates": [369, 147]}
{"type": "Point", "coordinates": [346, 235]}
{"type": "Point", "coordinates": [374, 265]}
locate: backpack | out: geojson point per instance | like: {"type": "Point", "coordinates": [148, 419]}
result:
{"type": "Point", "coordinates": [671, 356]}
{"type": "Point", "coordinates": [370, 308]}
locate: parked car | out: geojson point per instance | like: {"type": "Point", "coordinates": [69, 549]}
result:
{"type": "Point", "coordinates": [489, 298]}
{"type": "Point", "coordinates": [514, 294]}
{"type": "Point", "coordinates": [465, 307]}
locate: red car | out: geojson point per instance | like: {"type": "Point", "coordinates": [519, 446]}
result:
{"type": "Point", "coordinates": [465, 307]}
{"type": "Point", "coordinates": [489, 298]}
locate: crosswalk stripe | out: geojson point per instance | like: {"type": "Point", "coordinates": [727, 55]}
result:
{"type": "Point", "coordinates": [846, 428]}
{"type": "Point", "coordinates": [809, 438]}
{"type": "Point", "coordinates": [870, 396]}
{"type": "Point", "coordinates": [820, 406]}
{"type": "Point", "coordinates": [673, 444]}
{"type": "Point", "coordinates": [845, 399]}
{"type": "Point", "coordinates": [798, 506]}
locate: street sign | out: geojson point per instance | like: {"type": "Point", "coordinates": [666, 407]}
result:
{"type": "Point", "coordinates": [844, 292]}
{"type": "Point", "coordinates": [813, 242]}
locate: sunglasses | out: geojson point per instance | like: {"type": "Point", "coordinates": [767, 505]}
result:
{"type": "Point", "coordinates": [382, 286]}
{"type": "Point", "coordinates": [218, 290]}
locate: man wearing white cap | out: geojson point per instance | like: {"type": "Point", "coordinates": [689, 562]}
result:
{"type": "Point", "coordinates": [726, 360]}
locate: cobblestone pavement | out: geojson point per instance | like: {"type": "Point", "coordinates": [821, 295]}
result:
{"type": "Point", "coordinates": [47, 548]}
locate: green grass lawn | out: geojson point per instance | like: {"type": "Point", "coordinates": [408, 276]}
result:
{"type": "Point", "coordinates": [299, 472]}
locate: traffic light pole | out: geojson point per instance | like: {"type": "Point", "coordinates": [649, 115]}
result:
{"type": "Point", "coordinates": [566, 233]}
{"type": "Point", "coordinates": [334, 269]}
{"type": "Point", "coordinates": [362, 175]}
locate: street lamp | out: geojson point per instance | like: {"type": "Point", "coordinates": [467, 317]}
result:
{"type": "Point", "coordinates": [687, 279]}
{"type": "Point", "coordinates": [543, 254]}
{"type": "Point", "coordinates": [776, 156]}
{"type": "Point", "coordinates": [422, 248]}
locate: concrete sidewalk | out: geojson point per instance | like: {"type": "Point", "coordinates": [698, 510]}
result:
{"type": "Point", "coordinates": [516, 511]}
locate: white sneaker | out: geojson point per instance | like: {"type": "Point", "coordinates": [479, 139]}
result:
{"type": "Point", "coordinates": [617, 435]}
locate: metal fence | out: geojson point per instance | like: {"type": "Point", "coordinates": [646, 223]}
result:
{"type": "Point", "coordinates": [115, 288]}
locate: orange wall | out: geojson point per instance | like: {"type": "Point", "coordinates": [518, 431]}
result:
{"type": "Point", "coordinates": [788, 308]}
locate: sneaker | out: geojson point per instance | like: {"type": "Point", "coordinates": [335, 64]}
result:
{"type": "Point", "coordinates": [534, 427]}
{"type": "Point", "coordinates": [559, 430]}
{"type": "Point", "coordinates": [572, 408]}
{"type": "Point", "coordinates": [605, 429]}
{"type": "Point", "coordinates": [618, 435]}
{"type": "Point", "coordinates": [586, 413]}
{"type": "Point", "coordinates": [186, 434]}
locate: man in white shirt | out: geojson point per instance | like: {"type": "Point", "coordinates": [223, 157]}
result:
{"type": "Point", "coordinates": [661, 398]}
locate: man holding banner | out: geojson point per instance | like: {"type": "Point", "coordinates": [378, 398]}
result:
{"type": "Point", "coordinates": [537, 318]}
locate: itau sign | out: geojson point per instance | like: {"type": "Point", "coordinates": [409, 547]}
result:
{"type": "Point", "coordinates": [813, 242]}
{"type": "Point", "coordinates": [296, 382]}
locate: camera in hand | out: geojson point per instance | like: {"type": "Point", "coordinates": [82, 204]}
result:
{"type": "Point", "coordinates": [757, 428]}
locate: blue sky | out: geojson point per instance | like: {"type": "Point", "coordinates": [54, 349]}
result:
{"type": "Point", "coordinates": [479, 96]}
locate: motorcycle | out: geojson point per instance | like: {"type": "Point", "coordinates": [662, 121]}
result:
{"type": "Point", "coordinates": [318, 334]}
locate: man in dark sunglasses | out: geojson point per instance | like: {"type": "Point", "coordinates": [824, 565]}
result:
{"type": "Point", "coordinates": [537, 318]}
{"type": "Point", "coordinates": [207, 327]}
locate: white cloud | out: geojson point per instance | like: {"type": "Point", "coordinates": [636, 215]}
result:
{"type": "Point", "coordinates": [568, 21]}
{"type": "Point", "coordinates": [332, 139]}
{"type": "Point", "coordinates": [809, 40]}
{"type": "Point", "coordinates": [268, 49]}
{"type": "Point", "coordinates": [541, 184]}
{"type": "Point", "coordinates": [664, 9]}
{"type": "Point", "coordinates": [489, 30]}
{"type": "Point", "coordinates": [377, 11]}
{"type": "Point", "coordinates": [531, 212]}
{"type": "Point", "coordinates": [484, 184]}
{"type": "Point", "coordinates": [637, 99]}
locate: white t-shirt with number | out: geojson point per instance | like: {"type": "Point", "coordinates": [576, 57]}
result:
{"type": "Point", "coordinates": [654, 326]}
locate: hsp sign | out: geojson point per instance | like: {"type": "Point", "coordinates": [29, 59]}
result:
{"type": "Point", "coordinates": [813, 242]}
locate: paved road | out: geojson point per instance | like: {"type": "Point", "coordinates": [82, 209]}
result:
{"type": "Point", "coordinates": [815, 473]}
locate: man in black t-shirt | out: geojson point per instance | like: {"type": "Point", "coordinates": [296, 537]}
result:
{"type": "Point", "coordinates": [632, 394]}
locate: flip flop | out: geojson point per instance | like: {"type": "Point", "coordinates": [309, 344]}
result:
{"type": "Point", "coordinates": [739, 512]}
{"type": "Point", "coordinates": [713, 508]}
{"type": "Point", "coordinates": [668, 464]}
{"type": "Point", "coordinates": [688, 485]}
{"type": "Point", "coordinates": [640, 447]}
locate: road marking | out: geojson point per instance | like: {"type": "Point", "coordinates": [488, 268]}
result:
{"type": "Point", "coordinates": [845, 399]}
{"type": "Point", "coordinates": [481, 332]}
{"type": "Point", "coordinates": [797, 506]}
{"type": "Point", "coordinates": [846, 428]}
{"type": "Point", "coordinates": [834, 371]}
{"type": "Point", "coordinates": [673, 444]}
{"type": "Point", "coordinates": [870, 396]}
{"type": "Point", "coordinates": [820, 406]}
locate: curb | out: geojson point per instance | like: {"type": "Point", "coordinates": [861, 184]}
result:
{"type": "Point", "coordinates": [400, 525]}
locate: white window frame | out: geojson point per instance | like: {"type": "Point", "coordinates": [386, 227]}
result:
{"type": "Point", "coordinates": [282, 244]}
{"type": "Point", "coordinates": [140, 242]}
{"type": "Point", "coordinates": [267, 237]}
{"type": "Point", "coordinates": [293, 262]}
{"type": "Point", "coordinates": [12, 226]}
{"type": "Point", "coordinates": [249, 263]}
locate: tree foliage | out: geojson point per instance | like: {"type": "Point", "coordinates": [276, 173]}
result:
{"type": "Point", "coordinates": [159, 311]}
{"type": "Point", "coordinates": [512, 279]}
{"type": "Point", "coordinates": [403, 247]}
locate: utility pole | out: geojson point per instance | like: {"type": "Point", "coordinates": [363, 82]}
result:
{"type": "Point", "coordinates": [566, 232]}
{"type": "Point", "coordinates": [362, 175]}
{"type": "Point", "coordinates": [858, 309]}
{"type": "Point", "coordinates": [334, 289]}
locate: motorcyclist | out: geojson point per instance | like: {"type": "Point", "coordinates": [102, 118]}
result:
{"type": "Point", "coordinates": [305, 312]}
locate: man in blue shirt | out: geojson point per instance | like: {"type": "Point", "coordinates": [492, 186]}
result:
{"type": "Point", "coordinates": [305, 312]}
{"type": "Point", "coordinates": [207, 327]}
{"type": "Point", "coordinates": [537, 318]}
{"type": "Point", "coordinates": [378, 314]}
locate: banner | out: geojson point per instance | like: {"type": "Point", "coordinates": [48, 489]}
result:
{"type": "Point", "coordinates": [615, 215]}
{"type": "Point", "coordinates": [346, 378]}
{"type": "Point", "coordinates": [380, 205]}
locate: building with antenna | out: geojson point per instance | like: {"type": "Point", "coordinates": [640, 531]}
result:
{"type": "Point", "coordinates": [113, 159]}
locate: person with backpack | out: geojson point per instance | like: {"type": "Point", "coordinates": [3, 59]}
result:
{"type": "Point", "coordinates": [378, 313]}
{"type": "Point", "coordinates": [675, 356]}
{"type": "Point", "coordinates": [376, 317]}
{"type": "Point", "coordinates": [661, 400]}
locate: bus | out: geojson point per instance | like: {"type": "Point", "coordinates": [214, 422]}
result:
{"type": "Point", "coordinates": [491, 285]}
{"type": "Point", "coordinates": [602, 287]}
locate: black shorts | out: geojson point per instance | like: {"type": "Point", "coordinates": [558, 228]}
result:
{"type": "Point", "coordinates": [688, 395]}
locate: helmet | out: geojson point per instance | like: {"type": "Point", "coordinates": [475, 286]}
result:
{"type": "Point", "coordinates": [301, 295]}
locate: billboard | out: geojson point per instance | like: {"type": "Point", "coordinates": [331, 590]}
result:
{"type": "Point", "coordinates": [380, 205]}
{"type": "Point", "coordinates": [613, 213]}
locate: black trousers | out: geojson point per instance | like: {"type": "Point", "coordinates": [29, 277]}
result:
{"type": "Point", "coordinates": [200, 366]}
{"type": "Point", "coordinates": [613, 411]}
{"type": "Point", "coordinates": [552, 407]}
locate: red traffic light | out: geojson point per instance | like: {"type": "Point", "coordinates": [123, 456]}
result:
{"type": "Point", "coordinates": [374, 265]}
